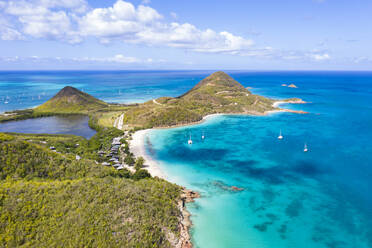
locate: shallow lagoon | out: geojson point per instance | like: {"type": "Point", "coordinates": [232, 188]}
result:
{"type": "Point", "coordinates": [72, 124]}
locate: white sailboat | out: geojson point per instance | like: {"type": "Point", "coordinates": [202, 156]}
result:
{"type": "Point", "coordinates": [203, 136]}
{"type": "Point", "coordinates": [280, 135]}
{"type": "Point", "coordinates": [305, 148]}
{"type": "Point", "coordinates": [190, 140]}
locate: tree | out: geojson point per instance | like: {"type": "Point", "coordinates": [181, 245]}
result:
{"type": "Point", "coordinates": [141, 174]}
{"type": "Point", "coordinates": [139, 163]}
{"type": "Point", "coordinates": [129, 159]}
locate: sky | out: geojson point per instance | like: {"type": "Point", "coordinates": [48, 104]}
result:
{"type": "Point", "coordinates": [186, 34]}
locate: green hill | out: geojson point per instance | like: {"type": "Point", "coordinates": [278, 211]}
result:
{"type": "Point", "coordinates": [218, 93]}
{"type": "Point", "coordinates": [71, 100]}
{"type": "Point", "coordinates": [50, 199]}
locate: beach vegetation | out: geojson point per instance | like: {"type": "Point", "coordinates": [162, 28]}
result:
{"type": "Point", "coordinates": [141, 174]}
{"type": "Point", "coordinates": [140, 161]}
{"type": "Point", "coordinates": [129, 159]}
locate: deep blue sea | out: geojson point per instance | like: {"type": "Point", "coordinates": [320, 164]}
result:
{"type": "Point", "coordinates": [322, 198]}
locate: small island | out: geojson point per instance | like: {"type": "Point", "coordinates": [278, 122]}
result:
{"type": "Point", "coordinates": [98, 189]}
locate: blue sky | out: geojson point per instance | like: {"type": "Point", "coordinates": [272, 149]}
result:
{"type": "Point", "coordinates": [192, 34]}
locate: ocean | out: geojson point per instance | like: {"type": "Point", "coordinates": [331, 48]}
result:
{"type": "Point", "coordinates": [288, 197]}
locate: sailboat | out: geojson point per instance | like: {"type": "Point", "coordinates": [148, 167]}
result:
{"type": "Point", "coordinates": [280, 135]}
{"type": "Point", "coordinates": [305, 148]}
{"type": "Point", "coordinates": [190, 140]}
{"type": "Point", "coordinates": [203, 136]}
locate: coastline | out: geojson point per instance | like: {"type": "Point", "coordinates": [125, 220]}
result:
{"type": "Point", "coordinates": [137, 147]}
{"type": "Point", "coordinates": [276, 105]}
{"type": "Point", "coordinates": [137, 144]}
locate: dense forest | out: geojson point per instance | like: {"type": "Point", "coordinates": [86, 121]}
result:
{"type": "Point", "coordinates": [51, 199]}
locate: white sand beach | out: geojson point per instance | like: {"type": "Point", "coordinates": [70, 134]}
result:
{"type": "Point", "coordinates": [137, 147]}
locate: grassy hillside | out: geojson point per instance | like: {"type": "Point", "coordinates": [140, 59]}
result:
{"type": "Point", "coordinates": [218, 93]}
{"type": "Point", "coordinates": [50, 199]}
{"type": "Point", "coordinates": [71, 100]}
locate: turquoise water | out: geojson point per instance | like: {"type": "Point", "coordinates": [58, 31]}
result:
{"type": "Point", "coordinates": [28, 89]}
{"type": "Point", "coordinates": [74, 124]}
{"type": "Point", "coordinates": [321, 198]}
{"type": "Point", "coordinates": [290, 199]}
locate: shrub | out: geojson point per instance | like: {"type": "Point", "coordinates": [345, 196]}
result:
{"type": "Point", "coordinates": [139, 163]}
{"type": "Point", "coordinates": [5, 137]}
{"type": "Point", "coordinates": [141, 174]}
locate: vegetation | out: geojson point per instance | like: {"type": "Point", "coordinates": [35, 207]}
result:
{"type": "Point", "coordinates": [129, 159]}
{"type": "Point", "coordinates": [54, 191]}
{"type": "Point", "coordinates": [71, 100]}
{"type": "Point", "coordinates": [21, 115]}
{"type": "Point", "coordinates": [218, 93]}
{"type": "Point", "coordinates": [139, 163]}
{"type": "Point", "coordinates": [48, 198]}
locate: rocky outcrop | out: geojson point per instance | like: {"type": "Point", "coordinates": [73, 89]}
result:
{"type": "Point", "coordinates": [185, 223]}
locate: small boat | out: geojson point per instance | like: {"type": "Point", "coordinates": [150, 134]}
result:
{"type": "Point", "coordinates": [190, 140]}
{"type": "Point", "coordinates": [305, 148]}
{"type": "Point", "coordinates": [6, 102]}
{"type": "Point", "coordinates": [280, 135]}
{"type": "Point", "coordinates": [203, 136]}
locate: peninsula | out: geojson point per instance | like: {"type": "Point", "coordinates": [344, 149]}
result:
{"type": "Point", "coordinates": [97, 189]}
{"type": "Point", "coordinates": [216, 94]}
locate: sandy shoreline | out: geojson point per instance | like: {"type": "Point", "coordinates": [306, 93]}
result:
{"type": "Point", "coordinates": [137, 144]}
{"type": "Point", "coordinates": [276, 104]}
{"type": "Point", "coordinates": [137, 147]}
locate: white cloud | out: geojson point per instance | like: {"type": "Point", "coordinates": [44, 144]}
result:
{"type": "Point", "coordinates": [116, 59]}
{"type": "Point", "coordinates": [7, 33]}
{"type": "Point", "coordinates": [320, 56]}
{"type": "Point", "coordinates": [120, 59]}
{"type": "Point", "coordinates": [74, 21]}
{"type": "Point", "coordinates": [50, 19]}
{"type": "Point", "coordinates": [144, 25]}
{"type": "Point", "coordinates": [362, 59]}
{"type": "Point", "coordinates": [71, 21]}
{"type": "Point", "coordinates": [10, 59]}
{"type": "Point", "coordinates": [120, 20]}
